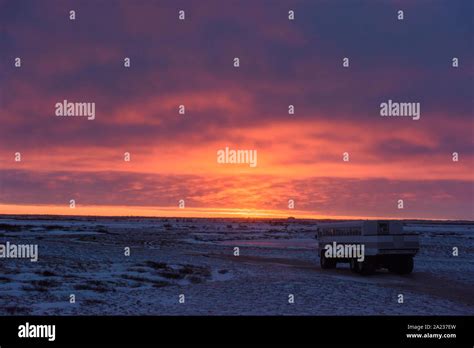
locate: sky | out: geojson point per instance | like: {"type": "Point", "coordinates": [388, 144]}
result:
{"type": "Point", "coordinates": [282, 63]}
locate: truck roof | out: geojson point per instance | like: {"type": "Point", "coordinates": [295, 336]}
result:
{"type": "Point", "coordinates": [355, 223]}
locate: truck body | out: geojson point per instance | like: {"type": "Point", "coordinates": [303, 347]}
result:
{"type": "Point", "coordinates": [384, 243]}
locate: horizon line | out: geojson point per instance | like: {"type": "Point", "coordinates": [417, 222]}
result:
{"type": "Point", "coordinates": [189, 213]}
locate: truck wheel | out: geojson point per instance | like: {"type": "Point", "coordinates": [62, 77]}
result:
{"type": "Point", "coordinates": [366, 267]}
{"type": "Point", "coordinates": [402, 265]}
{"type": "Point", "coordinates": [406, 265]}
{"type": "Point", "coordinates": [326, 263]}
{"type": "Point", "coordinates": [353, 265]}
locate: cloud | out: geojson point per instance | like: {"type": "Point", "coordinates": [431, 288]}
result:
{"type": "Point", "coordinates": [318, 196]}
{"type": "Point", "coordinates": [190, 63]}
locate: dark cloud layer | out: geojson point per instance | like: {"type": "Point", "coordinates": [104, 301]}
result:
{"type": "Point", "coordinates": [282, 62]}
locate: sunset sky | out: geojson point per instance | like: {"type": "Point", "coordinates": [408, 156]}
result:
{"type": "Point", "coordinates": [282, 62]}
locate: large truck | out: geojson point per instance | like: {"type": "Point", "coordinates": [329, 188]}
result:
{"type": "Point", "coordinates": [384, 245]}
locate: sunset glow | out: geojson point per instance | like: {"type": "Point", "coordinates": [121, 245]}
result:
{"type": "Point", "coordinates": [173, 156]}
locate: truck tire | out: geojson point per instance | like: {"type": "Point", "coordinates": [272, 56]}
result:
{"type": "Point", "coordinates": [366, 267]}
{"type": "Point", "coordinates": [353, 265]}
{"type": "Point", "coordinates": [401, 265]}
{"type": "Point", "coordinates": [326, 263]}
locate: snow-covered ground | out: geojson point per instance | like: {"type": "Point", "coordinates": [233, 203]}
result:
{"type": "Point", "coordinates": [195, 258]}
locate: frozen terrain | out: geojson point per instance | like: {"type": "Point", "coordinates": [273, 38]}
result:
{"type": "Point", "coordinates": [194, 257]}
